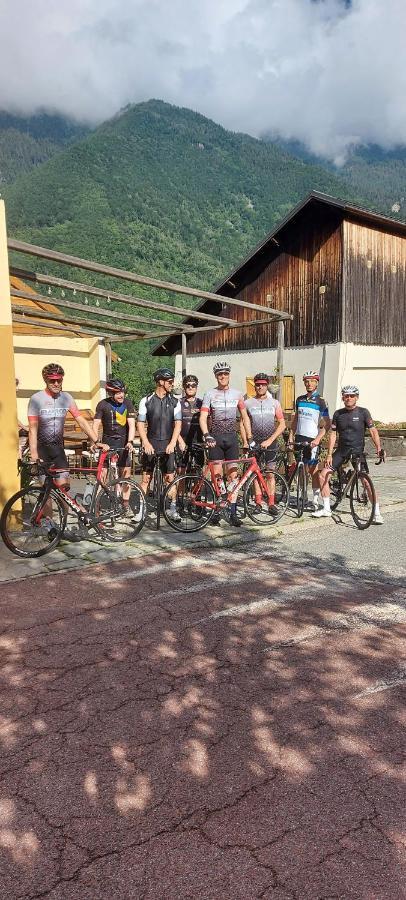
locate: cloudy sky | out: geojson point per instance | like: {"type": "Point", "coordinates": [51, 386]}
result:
{"type": "Point", "coordinates": [328, 72]}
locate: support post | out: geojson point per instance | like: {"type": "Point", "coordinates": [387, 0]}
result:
{"type": "Point", "coordinates": [9, 479]}
{"type": "Point", "coordinates": [279, 361]}
{"type": "Point", "coordinates": [108, 358]}
{"type": "Point", "coordinates": [184, 356]}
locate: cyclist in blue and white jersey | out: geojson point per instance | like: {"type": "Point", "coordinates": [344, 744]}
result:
{"type": "Point", "coordinates": [223, 405]}
{"type": "Point", "coordinates": [309, 425]}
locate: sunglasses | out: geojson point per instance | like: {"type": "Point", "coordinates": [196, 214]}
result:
{"type": "Point", "coordinates": [169, 380]}
{"type": "Point", "coordinates": [347, 396]}
{"type": "Point", "coordinates": [55, 380]}
{"type": "Point", "coordinates": [190, 384]}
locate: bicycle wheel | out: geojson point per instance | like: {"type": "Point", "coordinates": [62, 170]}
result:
{"type": "Point", "coordinates": [362, 500]}
{"type": "Point", "coordinates": [261, 513]}
{"type": "Point", "coordinates": [26, 533]}
{"type": "Point", "coordinates": [116, 520]}
{"type": "Point", "coordinates": [336, 489]}
{"type": "Point", "coordinates": [194, 494]}
{"type": "Point", "coordinates": [300, 490]}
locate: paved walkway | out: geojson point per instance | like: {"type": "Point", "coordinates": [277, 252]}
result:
{"type": "Point", "coordinates": [390, 480]}
{"type": "Point", "coordinates": [200, 725]}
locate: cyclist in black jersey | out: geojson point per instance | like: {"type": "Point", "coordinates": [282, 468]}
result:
{"type": "Point", "coordinates": [349, 423]}
{"type": "Point", "coordinates": [190, 431]}
{"type": "Point", "coordinates": [159, 425]}
{"type": "Point", "coordinates": [116, 415]}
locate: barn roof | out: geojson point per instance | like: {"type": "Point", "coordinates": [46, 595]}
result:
{"type": "Point", "coordinates": [236, 279]}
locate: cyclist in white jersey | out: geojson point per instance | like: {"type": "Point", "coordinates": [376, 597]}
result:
{"type": "Point", "coordinates": [223, 404]}
{"type": "Point", "coordinates": [309, 425]}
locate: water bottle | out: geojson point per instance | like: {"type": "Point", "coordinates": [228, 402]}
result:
{"type": "Point", "coordinates": [221, 485]}
{"type": "Point", "coordinates": [87, 495]}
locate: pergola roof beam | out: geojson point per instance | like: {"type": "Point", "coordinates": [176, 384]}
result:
{"type": "Point", "coordinates": [39, 314]}
{"type": "Point", "coordinates": [112, 314]}
{"type": "Point", "coordinates": [54, 326]}
{"type": "Point", "coordinates": [89, 265]}
{"type": "Point", "coordinates": [153, 334]}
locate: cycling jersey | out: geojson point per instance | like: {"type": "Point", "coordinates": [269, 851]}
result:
{"type": "Point", "coordinates": [223, 407]}
{"type": "Point", "coordinates": [160, 416]}
{"type": "Point", "coordinates": [350, 425]}
{"type": "Point", "coordinates": [264, 414]}
{"type": "Point", "coordinates": [190, 419]}
{"type": "Point", "coordinates": [308, 412]}
{"type": "Point", "coordinates": [114, 418]}
{"type": "Point", "coordinates": [50, 412]}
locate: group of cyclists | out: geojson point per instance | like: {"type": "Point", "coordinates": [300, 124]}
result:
{"type": "Point", "coordinates": [169, 426]}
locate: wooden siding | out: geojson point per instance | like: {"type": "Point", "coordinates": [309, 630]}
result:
{"type": "Point", "coordinates": [309, 258]}
{"type": "Point", "coordinates": [374, 286]}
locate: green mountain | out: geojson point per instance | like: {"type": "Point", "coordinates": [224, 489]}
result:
{"type": "Point", "coordinates": [378, 175]}
{"type": "Point", "coordinates": [165, 192]}
{"type": "Point", "coordinates": [25, 142]}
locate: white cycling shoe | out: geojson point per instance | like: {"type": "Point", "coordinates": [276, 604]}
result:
{"type": "Point", "coordinates": [320, 513]}
{"type": "Point", "coordinates": [377, 519]}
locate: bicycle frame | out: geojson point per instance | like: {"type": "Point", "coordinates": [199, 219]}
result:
{"type": "Point", "coordinates": [348, 483]}
{"type": "Point", "coordinates": [86, 515]}
{"type": "Point", "coordinates": [222, 501]}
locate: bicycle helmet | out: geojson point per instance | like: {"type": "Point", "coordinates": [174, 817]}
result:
{"type": "Point", "coordinates": [163, 374]}
{"type": "Point", "coordinates": [52, 369]}
{"type": "Point", "coordinates": [311, 374]}
{"type": "Point", "coordinates": [350, 389]}
{"type": "Point", "coordinates": [113, 385]}
{"type": "Point", "coordinates": [261, 378]}
{"type": "Point", "coordinates": [187, 379]}
{"type": "Point", "coordinates": [221, 367]}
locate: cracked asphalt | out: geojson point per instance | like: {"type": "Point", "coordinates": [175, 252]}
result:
{"type": "Point", "coordinates": [209, 723]}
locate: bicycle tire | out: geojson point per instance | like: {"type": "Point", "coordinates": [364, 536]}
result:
{"type": "Point", "coordinates": [193, 516]}
{"type": "Point", "coordinates": [281, 501]}
{"type": "Point", "coordinates": [11, 518]}
{"type": "Point", "coordinates": [300, 490]}
{"type": "Point", "coordinates": [357, 503]}
{"type": "Point", "coordinates": [336, 489]}
{"type": "Point", "coordinates": [113, 524]}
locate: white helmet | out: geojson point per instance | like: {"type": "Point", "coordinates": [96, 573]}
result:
{"type": "Point", "coordinates": [350, 389]}
{"type": "Point", "coordinates": [221, 367]}
{"type": "Point", "coordinates": [311, 374]}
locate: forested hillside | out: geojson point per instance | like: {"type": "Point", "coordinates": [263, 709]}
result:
{"type": "Point", "coordinates": [25, 142]}
{"type": "Point", "coordinates": [165, 192]}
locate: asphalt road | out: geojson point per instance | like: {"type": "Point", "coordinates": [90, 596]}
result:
{"type": "Point", "coordinates": [223, 723]}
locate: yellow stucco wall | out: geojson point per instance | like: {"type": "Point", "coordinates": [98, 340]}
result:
{"type": "Point", "coordinates": [9, 480]}
{"type": "Point", "coordinates": [79, 357]}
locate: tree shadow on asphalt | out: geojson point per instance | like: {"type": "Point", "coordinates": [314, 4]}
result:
{"type": "Point", "coordinates": [231, 729]}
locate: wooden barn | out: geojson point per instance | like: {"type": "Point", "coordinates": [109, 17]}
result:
{"type": "Point", "coordinates": [341, 272]}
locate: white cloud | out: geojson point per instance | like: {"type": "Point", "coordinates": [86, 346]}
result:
{"type": "Point", "coordinates": [329, 73]}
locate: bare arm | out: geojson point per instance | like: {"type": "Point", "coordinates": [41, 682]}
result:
{"type": "Point", "coordinates": [331, 444]}
{"type": "Point", "coordinates": [243, 434]}
{"type": "Point", "coordinates": [245, 419]}
{"type": "Point", "coordinates": [292, 431]}
{"type": "Point", "coordinates": [375, 439]}
{"type": "Point", "coordinates": [87, 428]}
{"type": "Point", "coordinates": [203, 421]}
{"type": "Point", "coordinates": [131, 429]}
{"type": "Point", "coordinates": [33, 440]}
{"type": "Point", "coordinates": [175, 434]}
{"type": "Point", "coordinates": [280, 428]}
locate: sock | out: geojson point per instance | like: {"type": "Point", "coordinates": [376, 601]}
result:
{"type": "Point", "coordinates": [316, 495]}
{"type": "Point", "coordinates": [233, 509]}
{"type": "Point", "coordinates": [377, 510]}
{"type": "Point", "coordinates": [271, 500]}
{"type": "Point", "coordinates": [258, 499]}
{"type": "Point", "coordinates": [326, 503]}
{"type": "Point", "coordinates": [173, 504]}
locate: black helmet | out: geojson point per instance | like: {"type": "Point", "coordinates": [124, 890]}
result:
{"type": "Point", "coordinates": [261, 378]}
{"type": "Point", "coordinates": [188, 378]}
{"type": "Point", "coordinates": [163, 374]}
{"type": "Point", "coordinates": [113, 385]}
{"type": "Point", "coordinates": [52, 369]}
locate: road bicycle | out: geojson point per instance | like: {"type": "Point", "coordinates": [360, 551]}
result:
{"type": "Point", "coordinates": [356, 485]}
{"type": "Point", "coordinates": [297, 473]}
{"type": "Point", "coordinates": [34, 519]}
{"type": "Point", "coordinates": [199, 498]}
{"type": "Point", "coordinates": [157, 485]}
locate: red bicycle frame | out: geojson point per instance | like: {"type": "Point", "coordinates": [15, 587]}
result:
{"type": "Point", "coordinates": [252, 468]}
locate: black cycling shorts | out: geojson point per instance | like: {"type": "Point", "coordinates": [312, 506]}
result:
{"type": "Point", "coordinates": [124, 456]}
{"type": "Point", "coordinates": [269, 457]}
{"type": "Point", "coordinates": [226, 448]}
{"type": "Point", "coordinates": [340, 458]}
{"type": "Point", "coordinates": [166, 461]}
{"type": "Point", "coordinates": [310, 454]}
{"type": "Point", "coordinates": [54, 456]}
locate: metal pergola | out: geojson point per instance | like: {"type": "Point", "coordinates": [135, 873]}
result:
{"type": "Point", "coordinates": [120, 325]}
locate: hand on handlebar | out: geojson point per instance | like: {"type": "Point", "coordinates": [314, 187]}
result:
{"type": "Point", "coordinates": [209, 440]}
{"type": "Point", "coordinates": [148, 448]}
{"type": "Point", "coordinates": [381, 457]}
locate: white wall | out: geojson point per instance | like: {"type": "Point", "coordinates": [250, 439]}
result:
{"type": "Point", "coordinates": [245, 364]}
{"type": "Point", "coordinates": [379, 372]}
